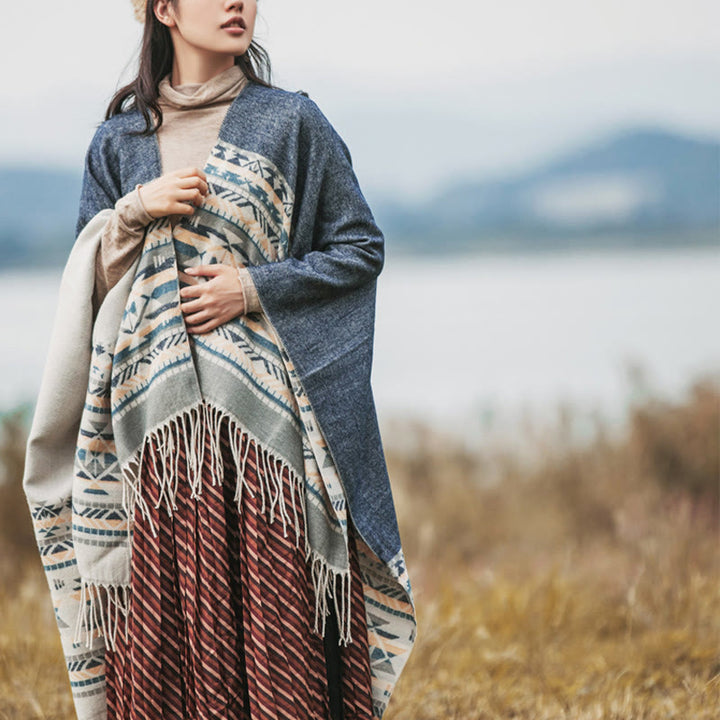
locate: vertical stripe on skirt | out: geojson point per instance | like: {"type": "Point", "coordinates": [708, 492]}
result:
{"type": "Point", "coordinates": [222, 610]}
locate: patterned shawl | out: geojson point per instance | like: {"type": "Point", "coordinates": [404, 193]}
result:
{"type": "Point", "coordinates": [113, 384]}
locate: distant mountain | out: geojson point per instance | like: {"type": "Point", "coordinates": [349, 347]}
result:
{"type": "Point", "coordinates": [641, 186]}
{"type": "Point", "coordinates": [638, 186]}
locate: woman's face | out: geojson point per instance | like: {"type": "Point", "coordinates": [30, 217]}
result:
{"type": "Point", "coordinates": [203, 24]}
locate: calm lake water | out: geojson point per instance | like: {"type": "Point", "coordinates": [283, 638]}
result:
{"type": "Point", "coordinates": [475, 344]}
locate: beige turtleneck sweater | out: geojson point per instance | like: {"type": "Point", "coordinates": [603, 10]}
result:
{"type": "Point", "coordinates": [192, 115]}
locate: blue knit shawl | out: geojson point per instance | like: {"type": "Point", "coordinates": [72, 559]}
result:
{"type": "Point", "coordinates": [321, 300]}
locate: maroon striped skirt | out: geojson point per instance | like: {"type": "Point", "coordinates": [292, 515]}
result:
{"type": "Point", "coordinates": [222, 613]}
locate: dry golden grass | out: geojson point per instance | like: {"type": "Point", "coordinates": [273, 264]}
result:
{"type": "Point", "coordinates": [584, 586]}
{"type": "Point", "coordinates": [33, 680]}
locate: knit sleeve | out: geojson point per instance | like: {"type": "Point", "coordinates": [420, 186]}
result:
{"type": "Point", "coordinates": [321, 302]}
{"type": "Point", "coordinates": [121, 241]}
{"type": "Point", "coordinates": [252, 303]}
{"type": "Point", "coordinates": [336, 246]}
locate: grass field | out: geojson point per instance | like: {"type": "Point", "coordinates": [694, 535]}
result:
{"type": "Point", "coordinates": [584, 585]}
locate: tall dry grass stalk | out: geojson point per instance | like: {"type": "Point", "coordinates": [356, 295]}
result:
{"type": "Point", "coordinates": [584, 587]}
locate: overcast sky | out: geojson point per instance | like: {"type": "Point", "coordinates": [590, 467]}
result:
{"type": "Point", "coordinates": [423, 92]}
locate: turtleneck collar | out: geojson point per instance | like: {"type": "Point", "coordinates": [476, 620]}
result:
{"type": "Point", "coordinates": [220, 88]}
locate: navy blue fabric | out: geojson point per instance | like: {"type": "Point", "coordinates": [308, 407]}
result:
{"type": "Point", "coordinates": [321, 299]}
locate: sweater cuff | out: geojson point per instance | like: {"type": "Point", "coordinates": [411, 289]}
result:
{"type": "Point", "coordinates": [132, 214]}
{"type": "Point", "coordinates": [252, 302]}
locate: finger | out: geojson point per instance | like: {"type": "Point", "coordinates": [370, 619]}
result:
{"type": "Point", "coordinates": [189, 195]}
{"type": "Point", "coordinates": [194, 182]}
{"type": "Point", "coordinates": [178, 208]}
{"type": "Point", "coordinates": [192, 305]}
{"type": "Point", "coordinates": [198, 317]}
{"type": "Point", "coordinates": [190, 171]}
{"type": "Point", "coordinates": [199, 329]}
{"type": "Point", "coordinates": [192, 290]}
{"type": "Point", "coordinates": [212, 270]}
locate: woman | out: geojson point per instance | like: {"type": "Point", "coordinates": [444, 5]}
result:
{"type": "Point", "coordinates": [204, 469]}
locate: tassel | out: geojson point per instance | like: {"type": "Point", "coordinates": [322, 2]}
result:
{"type": "Point", "coordinates": [325, 580]}
{"type": "Point", "coordinates": [194, 424]}
{"type": "Point", "coordinates": [97, 618]}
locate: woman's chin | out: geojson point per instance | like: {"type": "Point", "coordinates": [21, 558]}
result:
{"type": "Point", "coordinates": [235, 46]}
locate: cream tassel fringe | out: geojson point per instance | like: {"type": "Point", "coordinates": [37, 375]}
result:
{"type": "Point", "coordinates": [101, 618]}
{"type": "Point", "coordinates": [325, 582]}
{"type": "Point", "coordinates": [100, 615]}
{"type": "Point", "coordinates": [191, 425]}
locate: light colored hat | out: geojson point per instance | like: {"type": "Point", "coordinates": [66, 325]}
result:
{"type": "Point", "coordinates": [139, 8]}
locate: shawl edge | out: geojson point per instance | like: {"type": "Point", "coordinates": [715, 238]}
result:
{"type": "Point", "coordinates": [103, 603]}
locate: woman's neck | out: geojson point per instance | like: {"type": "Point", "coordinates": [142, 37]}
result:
{"type": "Point", "coordinates": [193, 71]}
{"type": "Point", "coordinates": [222, 87]}
{"type": "Point", "coordinates": [192, 64]}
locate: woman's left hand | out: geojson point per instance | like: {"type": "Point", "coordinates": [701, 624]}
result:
{"type": "Point", "coordinates": [208, 305]}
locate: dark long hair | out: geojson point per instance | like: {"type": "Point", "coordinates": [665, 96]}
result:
{"type": "Point", "coordinates": [156, 61]}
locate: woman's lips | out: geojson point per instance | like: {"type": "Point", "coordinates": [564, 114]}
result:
{"type": "Point", "coordinates": [234, 29]}
{"type": "Point", "coordinates": [234, 23]}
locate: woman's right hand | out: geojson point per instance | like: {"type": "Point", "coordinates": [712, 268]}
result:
{"type": "Point", "coordinates": [175, 193]}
